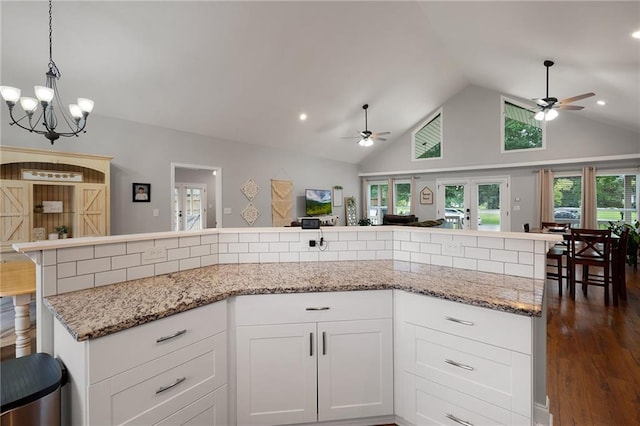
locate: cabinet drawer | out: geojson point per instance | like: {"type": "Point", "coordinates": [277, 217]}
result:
{"type": "Point", "coordinates": [438, 404]}
{"type": "Point", "coordinates": [121, 351]}
{"type": "Point", "coordinates": [495, 375]}
{"type": "Point", "coordinates": [481, 324]}
{"type": "Point", "coordinates": [210, 410]}
{"type": "Point", "coordinates": [313, 307]}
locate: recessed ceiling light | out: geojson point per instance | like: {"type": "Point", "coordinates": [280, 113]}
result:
{"type": "Point", "coordinates": [601, 102]}
{"type": "Point", "coordinates": [635, 34]}
{"type": "Point", "coordinates": [303, 116]}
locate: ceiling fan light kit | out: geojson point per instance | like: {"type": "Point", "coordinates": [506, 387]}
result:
{"type": "Point", "coordinates": [548, 105]}
{"type": "Point", "coordinates": [49, 98]}
{"type": "Point", "coordinates": [367, 137]}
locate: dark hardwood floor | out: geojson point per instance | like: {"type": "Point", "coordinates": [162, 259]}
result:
{"type": "Point", "coordinates": [593, 357]}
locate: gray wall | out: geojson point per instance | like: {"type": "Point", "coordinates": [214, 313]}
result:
{"type": "Point", "coordinates": [144, 154]}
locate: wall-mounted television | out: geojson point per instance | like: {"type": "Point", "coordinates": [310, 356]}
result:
{"type": "Point", "coordinates": [317, 202]}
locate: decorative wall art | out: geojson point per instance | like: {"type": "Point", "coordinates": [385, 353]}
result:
{"type": "Point", "coordinates": [250, 189]}
{"type": "Point", "coordinates": [250, 214]}
{"type": "Point", "coordinates": [426, 196]}
{"type": "Point", "coordinates": [351, 211]}
{"type": "Point", "coordinates": [281, 202]}
{"type": "Point", "coordinates": [52, 175]}
{"type": "Point", "coordinates": [337, 196]}
{"type": "Point", "coordinates": [141, 192]}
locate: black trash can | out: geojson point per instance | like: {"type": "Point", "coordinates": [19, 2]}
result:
{"type": "Point", "coordinates": [31, 390]}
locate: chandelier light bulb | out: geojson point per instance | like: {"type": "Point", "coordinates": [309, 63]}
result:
{"type": "Point", "coordinates": [75, 111]}
{"type": "Point", "coordinates": [10, 94]}
{"type": "Point", "coordinates": [44, 94]}
{"type": "Point", "coordinates": [551, 114]}
{"type": "Point", "coordinates": [29, 105]}
{"type": "Point", "coordinates": [539, 116]}
{"type": "Point", "coordinates": [86, 105]}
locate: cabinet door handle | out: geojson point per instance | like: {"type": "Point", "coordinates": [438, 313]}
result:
{"type": "Point", "coordinates": [324, 343]}
{"type": "Point", "coordinates": [171, 336]}
{"type": "Point", "coordinates": [457, 364]}
{"type": "Point", "coordinates": [171, 386]}
{"type": "Point", "coordinates": [459, 321]}
{"type": "Point", "coordinates": [318, 308]}
{"type": "Point", "coordinates": [310, 344]}
{"type": "Point", "coordinates": [457, 420]}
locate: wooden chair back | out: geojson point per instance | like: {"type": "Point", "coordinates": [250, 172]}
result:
{"type": "Point", "coordinates": [590, 246]}
{"type": "Point", "coordinates": [547, 225]}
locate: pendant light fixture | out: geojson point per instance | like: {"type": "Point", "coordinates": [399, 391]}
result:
{"type": "Point", "coordinates": [52, 113]}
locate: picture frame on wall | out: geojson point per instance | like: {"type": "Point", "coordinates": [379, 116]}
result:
{"type": "Point", "coordinates": [141, 192]}
{"type": "Point", "coordinates": [426, 196]}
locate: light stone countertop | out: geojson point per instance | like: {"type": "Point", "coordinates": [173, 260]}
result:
{"type": "Point", "coordinates": [97, 312]}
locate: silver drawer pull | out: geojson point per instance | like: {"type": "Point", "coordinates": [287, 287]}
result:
{"type": "Point", "coordinates": [319, 308]}
{"type": "Point", "coordinates": [457, 364]}
{"type": "Point", "coordinates": [174, 335]}
{"type": "Point", "coordinates": [171, 386]}
{"type": "Point", "coordinates": [457, 420]}
{"type": "Point", "coordinates": [459, 321]}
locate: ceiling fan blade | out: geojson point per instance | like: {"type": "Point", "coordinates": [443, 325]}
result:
{"type": "Point", "coordinates": [351, 137]}
{"type": "Point", "coordinates": [381, 133]}
{"type": "Point", "coordinates": [571, 107]}
{"type": "Point", "coordinates": [577, 98]}
{"type": "Point", "coordinates": [380, 139]}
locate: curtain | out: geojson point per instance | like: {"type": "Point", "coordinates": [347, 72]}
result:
{"type": "Point", "coordinates": [589, 211]}
{"type": "Point", "coordinates": [412, 199]}
{"type": "Point", "coordinates": [365, 199]}
{"type": "Point", "coordinates": [390, 203]}
{"type": "Point", "coordinates": [544, 195]}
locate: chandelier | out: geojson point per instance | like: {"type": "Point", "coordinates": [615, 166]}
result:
{"type": "Point", "coordinates": [52, 112]}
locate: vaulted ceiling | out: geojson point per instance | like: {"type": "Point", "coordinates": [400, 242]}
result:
{"type": "Point", "coordinates": [243, 71]}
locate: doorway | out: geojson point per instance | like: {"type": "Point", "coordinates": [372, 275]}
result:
{"type": "Point", "coordinates": [196, 197]}
{"type": "Point", "coordinates": [474, 203]}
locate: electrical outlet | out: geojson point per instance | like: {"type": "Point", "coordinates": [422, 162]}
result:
{"type": "Point", "coordinates": [154, 253]}
{"type": "Point", "coordinates": [312, 243]}
{"type": "Point", "coordinates": [452, 248]}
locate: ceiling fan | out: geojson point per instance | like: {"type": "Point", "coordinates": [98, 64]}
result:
{"type": "Point", "coordinates": [366, 136]}
{"type": "Point", "coordinates": [548, 105]}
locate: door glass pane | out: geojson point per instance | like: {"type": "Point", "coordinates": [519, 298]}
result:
{"type": "Point", "coordinates": [378, 194]}
{"type": "Point", "coordinates": [567, 200]}
{"type": "Point", "coordinates": [616, 198]}
{"type": "Point", "coordinates": [488, 208]}
{"type": "Point", "coordinates": [176, 209]}
{"type": "Point", "coordinates": [193, 209]}
{"type": "Point", "coordinates": [454, 206]}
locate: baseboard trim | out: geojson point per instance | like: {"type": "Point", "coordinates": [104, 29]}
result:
{"type": "Point", "coordinates": [541, 415]}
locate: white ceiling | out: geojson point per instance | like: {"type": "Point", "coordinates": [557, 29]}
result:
{"type": "Point", "coordinates": [243, 71]}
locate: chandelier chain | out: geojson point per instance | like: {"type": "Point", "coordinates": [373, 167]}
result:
{"type": "Point", "coordinates": [53, 68]}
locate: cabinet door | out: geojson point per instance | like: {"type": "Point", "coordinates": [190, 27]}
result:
{"type": "Point", "coordinates": [355, 369]}
{"type": "Point", "coordinates": [276, 374]}
{"type": "Point", "coordinates": [14, 211]}
{"type": "Point", "coordinates": [92, 210]}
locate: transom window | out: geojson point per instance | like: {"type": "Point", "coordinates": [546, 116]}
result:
{"type": "Point", "coordinates": [426, 139]}
{"type": "Point", "coordinates": [519, 129]}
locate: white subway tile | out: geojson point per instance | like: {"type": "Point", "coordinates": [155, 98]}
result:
{"type": "Point", "coordinates": [402, 236]}
{"type": "Point", "coordinates": [409, 246]}
{"type": "Point", "coordinates": [231, 237]}
{"type": "Point", "coordinates": [290, 236]}
{"type": "Point", "coordinates": [258, 247]}
{"type": "Point", "coordinates": [309, 257]}
{"type": "Point", "coordinates": [139, 246]}
{"type": "Point", "coordinates": [376, 245]}
{"type": "Point", "coordinates": [491, 242]}
{"type": "Point", "coordinates": [249, 238]}
{"type": "Point", "coordinates": [215, 248]}
{"type": "Point", "coordinates": [94, 265]}
{"type": "Point", "coordinates": [518, 270]}
{"type": "Point", "coordinates": [541, 247]}
{"type": "Point", "coordinates": [490, 266]}
{"type": "Point", "coordinates": [224, 258]}
{"type": "Point", "coordinates": [166, 267]}
{"type": "Point", "coordinates": [477, 253]}
{"type": "Point", "coordinates": [396, 245]}
{"type": "Point", "coordinates": [504, 256]}
{"type": "Point", "coordinates": [140, 272]}
{"type": "Point", "coordinates": [442, 260]}
{"type": "Point", "coordinates": [209, 239]}
{"type": "Point", "coordinates": [464, 263]}
{"type": "Point", "coordinates": [366, 255]}
{"type": "Point", "coordinates": [366, 236]}
{"type": "Point", "coordinates": [339, 245]}
{"type": "Point", "coordinates": [197, 251]}
{"type": "Point", "coordinates": [209, 260]}
{"type": "Point", "coordinates": [82, 282]}
{"type": "Point", "coordinates": [110, 277]}
{"type": "Point", "coordinates": [238, 247]}
{"type": "Point", "coordinates": [49, 281]}
{"type": "Point", "coordinates": [384, 235]}
{"type": "Point", "coordinates": [191, 263]}
{"type": "Point", "coordinates": [328, 256]}
{"type": "Point", "coordinates": [126, 261]}
{"type": "Point", "coordinates": [249, 258]}
{"type": "Point", "coordinates": [421, 258]}
{"type": "Point", "coordinates": [525, 258]}
{"type": "Point", "coordinates": [269, 257]}
{"type": "Point", "coordinates": [280, 247]}
{"type": "Point", "coordinates": [347, 236]}
{"type": "Point", "coordinates": [421, 237]}
{"type": "Point", "coordinates": [67, 269]}
{"type": "Point", "coordinates": [168, 243]}
{"type": "Point", "coordinates": [384, 254]}
{"type": "Point", "coordinates": [108, 250]}
{"type": "Point", "coordinates": [191, 240]}
{"type": "Point", "coordinates": [540, 266]}
{"type": "Point", "coordinates": [299, 246]}
{"type": "Point", "coordinates": [466, 240]}
{"type": "Point", "coordinates": [347, 255]}
{"type": "Point", "coordinates": [270, 237]}
{"type": "Point", "coordinates": [518, 245]}
{"type": "Point", "coordinates": [178, 253]}
{"type": "Point", "coordinates": [356, 245]}
{"type": "Point", "coordinates": [290, 257]}
{"type": "Point", "coordinates": [49, 257]}
{"type": "Point", "coordinates": [431, 248]}
{"type": "Point", "coordinates": [402, 255]}
{"type": "Point", "coordinates": [223, 247]}
{"type": "Point", "coordinates": [441, 238]}
{"type": "Point", "coordinates": [388, 245]}
{"type": "Point", "coordinates": [74, 253]}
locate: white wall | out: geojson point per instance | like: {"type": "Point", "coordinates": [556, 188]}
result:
{"type": "Point", "coordinates": [144, 154]}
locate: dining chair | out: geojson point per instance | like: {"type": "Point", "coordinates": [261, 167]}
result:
{"type": "Point", "coordinates": [591, 248]}
{"type": "Point", "coordinates": [619, 259]}
{"type": "Point", "coordinates": [556, 255]}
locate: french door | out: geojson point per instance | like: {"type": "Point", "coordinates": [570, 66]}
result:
{"type": "Point", "coordinates": [189, 206]}
{"type": "Point", "coordinates": [477, 203]}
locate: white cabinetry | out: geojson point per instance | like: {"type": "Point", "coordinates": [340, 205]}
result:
{"type": "Point", "coordinates": [314, 357]}
{"type": "Point", "coordinates": [461, 364]}
{"type": "Point", "coordinates": [170, 371]}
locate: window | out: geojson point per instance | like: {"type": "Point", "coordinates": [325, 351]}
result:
{"type": "Point", "coordinates": [402, 197]}
{"type": "Point", "coordinates": [426, 140]}
{"type": "Point", "coordinates": [519, 130]}
{"type": "Point", "coordinates": [377, 196]}
{"type": "Point", "coordinates": [617, 196]}
{"type": "Point", "coordinates": [567, 199]}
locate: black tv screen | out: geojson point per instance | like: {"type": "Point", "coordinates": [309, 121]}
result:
{"type": "Point", "coordinates": [317, 202]}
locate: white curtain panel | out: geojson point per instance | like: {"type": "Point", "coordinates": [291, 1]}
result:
{"type": "Point", "coordinates": [589, 210]}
